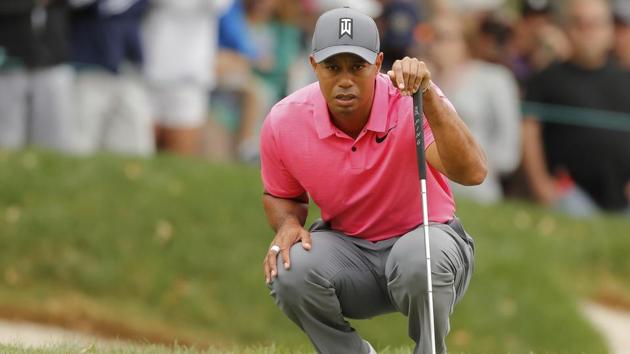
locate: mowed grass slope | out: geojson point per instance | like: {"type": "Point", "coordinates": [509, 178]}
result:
{"type": "Point", "coordinates": [168, 249]}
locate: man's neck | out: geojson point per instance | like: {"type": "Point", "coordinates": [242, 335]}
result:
{"type": "Point", "coordinates": [353, 123]}
{"type": "Point", "coordinates": [590, 63]}
{"type": "Point", "coordinates": [352, 126]}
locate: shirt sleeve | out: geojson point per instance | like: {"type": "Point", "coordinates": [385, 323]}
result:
{"type": "Point", "coordinates": [428, 133]}
{"type": "Point", "coordinates": [276, 178]}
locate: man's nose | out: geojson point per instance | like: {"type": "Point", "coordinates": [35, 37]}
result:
{"type": "Point", "coordinates": [346, 80]}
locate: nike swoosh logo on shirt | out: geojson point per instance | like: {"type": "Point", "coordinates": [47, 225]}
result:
{"type": "Point", "coordinates": [381, 139]}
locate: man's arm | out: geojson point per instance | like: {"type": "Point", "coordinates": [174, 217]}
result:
{"type": "Point", "coordinates": [287, 217]}
{"type": "Point", "coordinates": [455, 153]}
{"type": "Point", "coordinates": [534, 164]}
{"type": "Point", "coordinates": [281, 211]}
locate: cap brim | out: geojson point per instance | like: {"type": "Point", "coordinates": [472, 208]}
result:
{"type": "Point", "coordinates": [326, 53]}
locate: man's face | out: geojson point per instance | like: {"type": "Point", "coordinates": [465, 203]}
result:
{"type": "Point", "coordinates": [590, 28]}
{"type": "Point", "coordinates": [622, 44]}
{"type": "Point", "coordinates": [347, 83]}
{"type": "Point", "coordinates": [448, 46]}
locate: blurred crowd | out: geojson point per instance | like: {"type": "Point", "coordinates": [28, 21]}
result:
{"type": "Point", "coordinates": [543, 85]}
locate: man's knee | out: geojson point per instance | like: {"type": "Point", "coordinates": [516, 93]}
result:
{"type": "Point", "coordinates": [290, 284]}
{"type": "Point", "coordinates": [310, 272]}
{"type": "Point", "coordinates": [410, 272]}
{"type": "Point", "coordinates": [408, 265]}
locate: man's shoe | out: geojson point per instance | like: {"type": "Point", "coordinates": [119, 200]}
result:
{"type": "Point", "coordinates": [372, 351]}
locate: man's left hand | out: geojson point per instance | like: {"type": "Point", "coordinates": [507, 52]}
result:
{"type": "Point", "coordinates": [410, 75]}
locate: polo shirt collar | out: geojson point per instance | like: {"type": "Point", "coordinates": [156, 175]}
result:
{"type": "Point", "coordinates": [323, 123]}
{"type": "Point", "coordinates": [378, 115]}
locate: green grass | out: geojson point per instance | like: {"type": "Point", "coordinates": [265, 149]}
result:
{"type": "Point", "coordinates": [167, 249]}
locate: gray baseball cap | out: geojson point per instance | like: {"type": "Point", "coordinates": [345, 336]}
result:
{"type": "Point", "coordinates": [345, 30]}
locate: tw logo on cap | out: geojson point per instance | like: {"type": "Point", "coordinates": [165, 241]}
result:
{"type": "Point", "coordinates": [345, 27]}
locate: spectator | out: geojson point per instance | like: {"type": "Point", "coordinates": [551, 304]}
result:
{"type": "Point", "coordinates": [181, 43]}
{"type": "Point", "coordinates": [492, 40]}
{"type": "Point", "coordinates": [36, 81]}
{"type": "Point", "coordinates": [232, 97]}
{"type": "Point", "coordinates": [537, 40]}
{"type": "Point", "coordinates": [574, 167]}
{"type": "Point", "coordinates": [277, 42]}
{"type": "Point", "coordinates": [491, 109]}
{"type": "Point", "coordinates": [467, 6]}
{"type": "Point", "coordinates": [112, 107]}
{"type": "Point", "coordinates": [233, 32]}
{"type": "Point", "coordinates": [397, 23]}
{"type": "Point", "coordinates": [622, 33]}
{"type": "Point", "coordinates": [488, 31]}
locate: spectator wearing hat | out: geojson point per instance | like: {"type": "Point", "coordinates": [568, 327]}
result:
{"type": "Point", "coordinates": [397, 22]}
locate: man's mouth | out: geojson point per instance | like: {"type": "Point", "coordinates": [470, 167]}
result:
{"type": "Point", "coordinates": [345, 99]}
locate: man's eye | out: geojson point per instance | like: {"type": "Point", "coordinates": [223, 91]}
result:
{"type": "Point", "coordinates": [332, 67]}
{"type": "Point", "coordinates": [358, 67]}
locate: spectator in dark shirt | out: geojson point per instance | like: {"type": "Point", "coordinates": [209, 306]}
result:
{"type": "Point", "coordinates": [398, 21]}
{"type": "Point", "coordinates": [572, 158]}
{"type": "Point", "coordinates": [112, 107]}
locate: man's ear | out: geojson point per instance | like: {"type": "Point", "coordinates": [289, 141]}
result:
{"type": "Point", "coordinates": [379, 61]}
{"type": "Point", "coordinates": [313, 63]}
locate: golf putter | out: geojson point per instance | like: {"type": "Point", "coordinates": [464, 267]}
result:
{"type": "Point", "coordinates": [422, 169]}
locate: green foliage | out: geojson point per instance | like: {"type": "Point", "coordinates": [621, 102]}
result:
{"type": "Point", "coordinates": [174, 247]}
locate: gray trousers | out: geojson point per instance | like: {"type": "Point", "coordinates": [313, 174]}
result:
{"type": "Point", "coordinates": [36, 107]}
{"type": "Point", "coordinates": [344, 276]}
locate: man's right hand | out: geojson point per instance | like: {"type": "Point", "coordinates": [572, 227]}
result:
{"type": "Point", "coordinates": [288, 235]}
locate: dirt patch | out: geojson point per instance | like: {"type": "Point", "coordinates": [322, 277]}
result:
{"type": "Point", "coordinates": [82, 324]}
{"type": "Point", "coordinates": [613, 300]}
{"type": "Point", "coordinates": [30, 335]}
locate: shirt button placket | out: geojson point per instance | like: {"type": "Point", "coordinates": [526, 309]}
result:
{"type": "Point", "coordinates": [356, 157]}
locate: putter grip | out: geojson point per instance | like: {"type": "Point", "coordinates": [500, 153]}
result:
{"type": "Point", "coordinates": [417, 121]}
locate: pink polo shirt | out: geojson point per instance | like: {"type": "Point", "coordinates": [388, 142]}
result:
{"type": "Point", "coordinates": [366, 187]}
